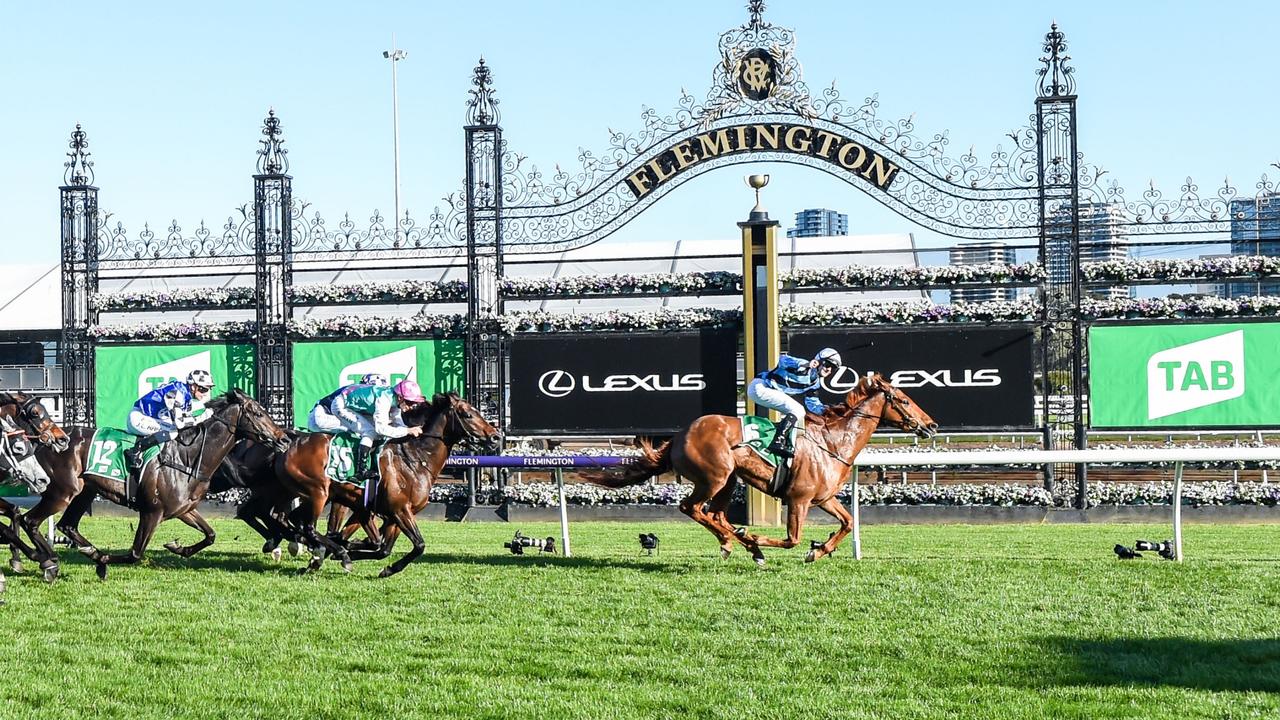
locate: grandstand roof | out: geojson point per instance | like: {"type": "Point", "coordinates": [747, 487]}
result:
{"type": "Point", "coordinates": [34, 301]}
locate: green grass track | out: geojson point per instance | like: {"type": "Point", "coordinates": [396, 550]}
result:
{"type": "Point", "coordinates": [1010, 621]}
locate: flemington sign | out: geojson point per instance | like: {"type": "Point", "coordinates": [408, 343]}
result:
{"type": "Point", "coordinates": [795, 139]}
{"type": "Point", "coordinates": [1211, 375]}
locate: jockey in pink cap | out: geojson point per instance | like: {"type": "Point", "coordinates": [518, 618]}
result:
{"type": "Point", "coordinates": [374, 411]}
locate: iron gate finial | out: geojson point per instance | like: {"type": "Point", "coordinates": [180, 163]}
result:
{"type": "Point", "coordinates": [482, 108]}
{"type": "Point", "coordinates": [272, 158]}
{"type": "Point", "coordinates": [1057, 79]}
{"type": "Point", "coordinates": [79, 169]}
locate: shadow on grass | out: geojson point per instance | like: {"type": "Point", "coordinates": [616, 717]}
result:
{"type": "Point", "coordinates": [211, 559]}
{"type": "Point", "coordinates": [1215, 665]}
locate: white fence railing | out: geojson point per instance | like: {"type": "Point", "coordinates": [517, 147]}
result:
{"type": "Point", "coordinates": [1177, 456]}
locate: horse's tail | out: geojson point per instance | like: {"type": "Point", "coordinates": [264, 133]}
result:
{"type": "Point", "coordinates": [651, 462]}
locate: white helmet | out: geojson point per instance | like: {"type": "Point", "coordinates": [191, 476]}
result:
{"type": "Point", "coordinates": [828, 356]}
{"type": "Point", "coordinates": [375, 379]}
{"type": "Point", "coordinates": [201, 378]}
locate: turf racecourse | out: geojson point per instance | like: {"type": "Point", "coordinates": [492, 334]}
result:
{"type": "Point", "coordinates": [938, 621]}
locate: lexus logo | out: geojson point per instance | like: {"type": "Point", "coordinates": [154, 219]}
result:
{"type": "Point", "coordinates": [556, 383]}
{"type": "Point", "coordinates": [846, 378]}
{"type": "Point", "coordinates": [559, 383]}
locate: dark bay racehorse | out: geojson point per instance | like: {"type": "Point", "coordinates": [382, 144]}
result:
{"type": "Point", "coordinates": [409, 467]}
{"type": "Point", "coordinates": [31, 421]}
{"type": "Point", "coordinates": [170, 486]}
{"type": "Point", "coordinates": [710, 454]}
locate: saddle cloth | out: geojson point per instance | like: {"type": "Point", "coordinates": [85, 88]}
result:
{"type": "Point", "coordinates": [106, 453]}
{"type": "Point", "coordinates": [758, 434]}
{"type": "Point", "coordinates": [341, 463]}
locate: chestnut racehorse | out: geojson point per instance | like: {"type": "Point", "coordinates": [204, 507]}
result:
{"type": "Point", "coordinates": [711, 455]}
{"type": "Point", "coordinates": [409, 467]}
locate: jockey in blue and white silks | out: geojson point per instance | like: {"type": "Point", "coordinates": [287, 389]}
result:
{"type": "Point", "coordinates": [792, 378]}
{"type": "Point", "coordinates": [158, 415]}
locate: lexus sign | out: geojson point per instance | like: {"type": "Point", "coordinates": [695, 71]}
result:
{"type": "Point", "coordinates": [615, 383]}
{"type": "Point", "coordinates": [965, 378]}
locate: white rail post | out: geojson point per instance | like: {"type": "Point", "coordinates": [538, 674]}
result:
{"type": "Point", "coordinates": [564, 514]}
{"type": "Point", "coordinates": [857, 516]}
{"type": "Point", "coordinates": [1177, 511]}
{"type": "Point", "coordinates": [50, 529]}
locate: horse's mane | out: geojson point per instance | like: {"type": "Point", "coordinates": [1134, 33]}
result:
{"type": "Point", "coordinates": [841, 410]}
{"type": "Point", "coordinates": [233, 396]}
{"type": "Point", "coordinates": [422, 413]}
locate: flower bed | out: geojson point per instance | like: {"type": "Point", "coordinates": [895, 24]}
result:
{"type": "Point", "coordinates": [175, 331]}
{"type": "Point", "coordinates": [178, 298]}
{"type": "Point", "coordinates": [1120, 271]}
{"type": "Point", "coordinates": [373, 325]}
{"type": "Point", "coordinates": [1166, 307]}
{"type": "Point", "coordinates": [1196, 494]}
{"type": "Point", "coordinates": [909, 311]}
{"type": "Point", "coordinates": [400, 291]}
{"type": "Point", "coordinates": [874, 276]}
{"type": "Point", "coordinates": [587, 285]}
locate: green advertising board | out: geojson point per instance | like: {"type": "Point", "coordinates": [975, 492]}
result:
{"type": "Point", "coordinates": [1185, 376]}
{"type": "Point", "coordinates": [319, 368]}
{"type": "Point", "coordinates": [127, 372]}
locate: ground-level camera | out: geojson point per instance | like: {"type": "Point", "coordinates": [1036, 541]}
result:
{"type": "Point", "coordinates": [521, 541]}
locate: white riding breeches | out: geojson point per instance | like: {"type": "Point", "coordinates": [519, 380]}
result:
{"type": "Point", "coordinates": [321, 420]}
{"type": "Point", "coordinates": [774, 399]}
{"type": "Point", "coordinates": [139, 423]}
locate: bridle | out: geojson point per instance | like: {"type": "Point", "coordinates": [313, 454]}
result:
{"type": "Point", "coordinates": [891, 400]}
{"type": "Point", "coordinates": [42, 432]}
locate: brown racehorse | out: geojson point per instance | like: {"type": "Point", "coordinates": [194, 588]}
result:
{"type": "Point", "coordinates": [32, 421]}
{"type": "Point", "coordinates": [408, 466]}
{"type": "Point", "coordinates": [171, 486]}
{"type": "Point", "coordinates": [711, 455]}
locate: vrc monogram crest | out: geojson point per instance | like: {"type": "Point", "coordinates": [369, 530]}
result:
{"type": "Point", "coordinates": [757, 74]}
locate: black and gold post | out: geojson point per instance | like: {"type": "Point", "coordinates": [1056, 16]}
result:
{"type": "Point", "coordinates": [760, 323]}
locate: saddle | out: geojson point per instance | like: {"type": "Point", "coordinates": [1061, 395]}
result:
{"type": "Point", "coordinates": [758, 434]}
{"type": "Point", "coordinates": [340, 465]}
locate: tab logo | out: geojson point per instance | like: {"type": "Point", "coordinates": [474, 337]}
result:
{"type": "Point", "coordinates": [396, 366]}
{"type": "Point", "coordinates": [154, 377]}
{"type": "Point", "coordinates": [1205, 372]}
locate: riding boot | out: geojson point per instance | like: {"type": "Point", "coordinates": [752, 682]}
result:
{"type": "Point", "coordinates": [782, 444]}
{"type": "Point", "coordinates": [133, 462]}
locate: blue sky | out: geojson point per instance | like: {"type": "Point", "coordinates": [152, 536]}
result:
{"type": "Point", "coordinates": [172, 96]}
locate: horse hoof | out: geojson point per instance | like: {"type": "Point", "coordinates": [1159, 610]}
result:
{"type": "Point", "coordinates": [740, 532]}
{"type": "Point", "coordinates": [724, 554]}
{"type": "Point", "coordinates": [811, 556]}
{"type": "Point", "coordinates": [276, 554]}
{"type": "Point", "coordinates": [294, 549]}
{"type": "Point", "coordinates": [51, 574]}
{"type": "Point", "coordinates": [89, 551]}
{"type": "Point", "coordinates": [102, 571]}
{"type": "Point", "coordinates": [760, 562]}
{"type": "Point", "coordinates": [173, 547]}
{"type": "Point", "coordinates": [386, 572]}
{"type": "Point", "coordinates": [16, 566]}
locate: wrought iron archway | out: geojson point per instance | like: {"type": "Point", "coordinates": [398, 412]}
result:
{"type": "Point", "coordinates": [758, 108]}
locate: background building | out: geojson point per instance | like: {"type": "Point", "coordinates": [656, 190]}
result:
{"type": "Point", "coordinates": [977, 254]}
{"type": "Point", "coordinates": [1101, 239]}
{"type": "Point", "coordinates": [1255, 230]}
{"type": "Point", "coordinates": [819, 222]}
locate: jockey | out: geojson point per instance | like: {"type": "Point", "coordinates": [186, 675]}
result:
{"type": "Point", "coordinates": [159, 414]}
{"type": "Point", "coordinates": [368, 411]}
{"type": "Point", "coordinates": [777, 389]}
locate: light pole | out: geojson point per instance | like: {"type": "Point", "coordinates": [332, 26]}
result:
{"type": "Point", "coordinates": [394, 56]}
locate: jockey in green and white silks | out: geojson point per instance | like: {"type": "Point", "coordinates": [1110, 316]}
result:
{"type": "Point", "coordinates": [161, 413]}
{"type": "Point", "coordinates": [792, 378]}
{"type": "Point", "coordinates": [368, 411]}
